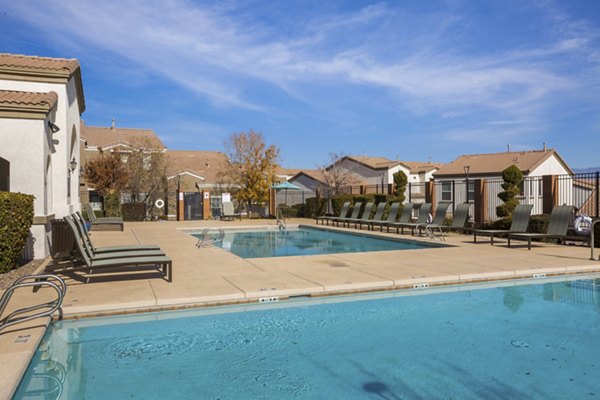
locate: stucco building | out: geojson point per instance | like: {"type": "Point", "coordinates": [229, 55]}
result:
{"type": "Point", "coordinates": [41, 102]}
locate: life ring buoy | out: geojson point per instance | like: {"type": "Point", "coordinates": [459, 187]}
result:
{"type": "Point", "coordinates": [583, 225]}
{"type": "Point", "coordinates": [160, 203]}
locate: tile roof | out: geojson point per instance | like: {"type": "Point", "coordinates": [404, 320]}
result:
{"type": "Point", "coordinates": [385, 163]}
{"type": "Point", "coordinates": [107, 137]}
{"type": "Point", "coordinates": [314, 174]}
{"type": "Point", "coordinates": [286, 171]}
{"type": "Point", "coordinates": [495, 163]}
{"type": "Point", "coordinates": [208, 164]}
{"type": "Point", "coordinates": [42, 69]}
{"type": "Point", "coordinates": [21, 104]}
{"type": "Point", "coordinates": [62, 66]}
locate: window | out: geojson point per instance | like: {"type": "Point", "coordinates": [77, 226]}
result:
{"type": "Point", "coordinates": [446, 191]}
{"type": "Point", "coordinates": [471, 192]}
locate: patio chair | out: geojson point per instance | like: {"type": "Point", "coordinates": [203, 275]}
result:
{"type": "Point", "coordinates": [229, 213]}
{"type": "Point", "coordinates": [560, 218]}
{"type": "Point", "coordinates": [366, 213]}
{"type": "Point", "coordinates": [80, 223]}
{"type": "Point", "coordinates": [376, 217]}
{"type": "Point", "coordinates": [405, 218]}
{"type": "Point", "coordinates": [421, 220]}
{"type": "Point", "coordinates": [392, 214]}
{"type": "Point", "coordinates": [160, 261]}
{"type": "Point", "coordinates": [354, 215]}
{"type": "Point", "coordinates": [438, 220]}
{"type": "Point", "coordinates": [519, 224]}
{"type": "Point", "coordinates": [104, 223]}
{"type": "Point", "coordinates": [459, 220]}
{"type": "Point", "coordinates": [327, 218]}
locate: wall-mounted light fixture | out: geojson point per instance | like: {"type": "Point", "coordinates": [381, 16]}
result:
{"type": "Point", "coordinates": [53, 127]}
{"type": "Point", "coordinates": [73, 164]}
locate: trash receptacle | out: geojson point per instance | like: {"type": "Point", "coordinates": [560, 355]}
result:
{"type": "Point", "coordinates": [63, 241]}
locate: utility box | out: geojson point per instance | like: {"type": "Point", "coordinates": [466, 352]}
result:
{"type": "Point", "coordinates": [63, 241]}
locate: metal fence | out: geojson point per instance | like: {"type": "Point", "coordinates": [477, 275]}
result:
{"type": "Point", "coordinates": [581, 191]}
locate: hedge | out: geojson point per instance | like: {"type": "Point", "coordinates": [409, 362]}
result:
{"type": "Point", "coordinates": [16, 218]}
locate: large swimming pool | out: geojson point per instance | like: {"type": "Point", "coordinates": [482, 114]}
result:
{"type": "Point", "coordinates": [536, 341]}
{"type": "Point", "coordinates": [305, 241]}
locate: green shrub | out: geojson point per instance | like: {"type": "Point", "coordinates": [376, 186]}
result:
{"type": "Point", "coordinates": [286, 211]}
{"type": "Point", "coordinates": [314, 207]}
{"type": "Point", "coordinates": [112, 204]}
{"type": "Point", "coordinates": [133, 211]}
{"type": "Point", "coordinates": [512, 177]}
{"type": "Point", "coordinates": [502, 224]}
{"type": "Point", "coordinates": [300, 210]}
{"type": "Point", "coordinates": [16, 218]}
{"type": "Point", "coordinates": [400, 182]}
{"type": "Point", "coordinates": [538, 223]}
{"type": "Point", "coordinates": [338, 202]}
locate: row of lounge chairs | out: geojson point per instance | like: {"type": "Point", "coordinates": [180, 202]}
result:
{"type": "Point", "coordinates": [560, 219]}
{"type": "Point", "coordinates": [115, 257]}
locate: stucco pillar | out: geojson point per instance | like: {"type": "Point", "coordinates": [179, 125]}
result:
{"type": "Point", "coordinates": [206, 214]}
{"type": "Point", "coordinates": [480, 207]}
{"type": "Point", "coordinates": [429, 192]}
{"type": "Point", "coordinates": [180, 210]}
{"type": "Point", "coordinates": [549, 193]}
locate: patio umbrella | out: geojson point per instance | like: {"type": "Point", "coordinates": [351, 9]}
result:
{"type": "Point", "coordinates": [285, 186]}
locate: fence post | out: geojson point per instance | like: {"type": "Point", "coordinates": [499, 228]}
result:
{"type": "Point", "coordinates": [549, 193]}
{"type": "Point", "coordinates": [409, 192]}
{"type": "Point", "coordinates": [429, 193]}
{"type": "Point", "coordinates": [597, 194]}
{"type": "Point", "coordinates": [480, 206]}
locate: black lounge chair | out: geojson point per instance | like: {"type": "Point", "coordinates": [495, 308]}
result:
{"type": "Point", "coordinates": [519, 224]}
{"type": "Point", "coordinates": [327, 218]}
{"type": "Point", "coordinates": [405, 218]}
{"type": "Point", "coordinates": [365, 216]}
{"type": "Point", "coordinates": [459, 219]}
{"type": "Point", "coordinates": [160, 261]}
{"type": "Point", "coordinates": [438, 219]}
{"type": "Point", "coordinates": [392, 214]}
{"type": "Point", "coordinates": [560, 219]}
{"type": "Point", "coordinates": [355, 212]}
{"type": "Point", "coordinates": [105, 223]}
{"type": "Point", "coordinates": [421, 220]}
{"type": "Point", "coordinates": [107, 252]}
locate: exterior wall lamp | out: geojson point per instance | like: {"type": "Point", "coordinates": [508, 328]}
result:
{"type": "Point", "coordinates": [53, 127]}
{"type": "Point", "coordinates": [73, 164]}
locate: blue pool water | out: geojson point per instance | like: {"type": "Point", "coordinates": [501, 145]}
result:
{"type": "Point", "coordinates": [516, 342]}
{"type": "Point", "coordinates": [307, 241]}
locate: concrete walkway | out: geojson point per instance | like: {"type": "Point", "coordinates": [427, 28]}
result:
{"type": "Point", "coordinates": [211, 276]}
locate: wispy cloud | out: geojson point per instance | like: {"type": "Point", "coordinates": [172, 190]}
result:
{"type": "Point", "coordinates": [421, 62]}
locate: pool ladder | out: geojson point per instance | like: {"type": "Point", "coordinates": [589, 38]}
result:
{"type": "Point", "coordinates": [592, 238]}
{"type": "Point", "coordinates": [205, 240]}
{"type": "Point", "coordinates": [33, 312]}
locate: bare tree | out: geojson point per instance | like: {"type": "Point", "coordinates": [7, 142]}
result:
{"type": "Point", "coordinates": [337, 176]}
{"type": "Point", "coordinates": [147, 172]}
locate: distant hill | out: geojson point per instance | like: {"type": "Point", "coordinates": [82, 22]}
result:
{"type": "Point", "coordinates": [585, 170]}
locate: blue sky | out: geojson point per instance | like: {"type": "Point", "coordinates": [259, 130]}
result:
{"type": "Point", "coordinates": [413, 80]}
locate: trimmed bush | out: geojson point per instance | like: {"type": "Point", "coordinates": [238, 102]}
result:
{"type": "Point", "coordinates": [112, 204]}
{"type": "Point", "coordinates": [314, 207]}
{"type": "Point", "coordinates": [133, 211]}
{"type": "Point", "coordinates": [538, 223]}
{"type": "Point", "coordinates": [513, 178]}
{"type": "Point", "coordinates": [16, 218]}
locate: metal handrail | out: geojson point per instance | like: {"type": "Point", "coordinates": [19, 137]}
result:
{"type": "Point", "coordinates": [592, 238]}
{"type": "Point", "coordinates": [41, 280]}
{"type": "Point", "coordinates": [202, 240]}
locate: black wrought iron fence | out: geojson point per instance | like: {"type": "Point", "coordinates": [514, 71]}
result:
{"type": "Point", "coordinates": [580, 190]}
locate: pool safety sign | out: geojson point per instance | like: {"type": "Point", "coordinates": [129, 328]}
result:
{"type": "Point", "coordinates": [226, 197]}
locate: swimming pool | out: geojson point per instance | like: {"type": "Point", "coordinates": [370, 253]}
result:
{"type": "Point", "coordinates": [508, 342]}
{"type": "Point", "coordinates": [304, 241]}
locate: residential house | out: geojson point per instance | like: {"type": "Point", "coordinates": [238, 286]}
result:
{"type": "Point", "coordinates": [41, 102]}
{"type": "Point", "coordinates": [452, 180]}
{"type": "Point", "coordinates": [118, 140]}
{"type": "Point", "coordinates": [196, 184]}
{"type": "Point", "coordinates": [371, 175]}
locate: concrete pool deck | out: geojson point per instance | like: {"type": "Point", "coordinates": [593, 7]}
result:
{"type": "Point", "coordinates": [212, 276]}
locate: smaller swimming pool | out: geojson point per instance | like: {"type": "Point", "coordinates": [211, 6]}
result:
{"type": "Point", "coordinates": [304, 241]}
